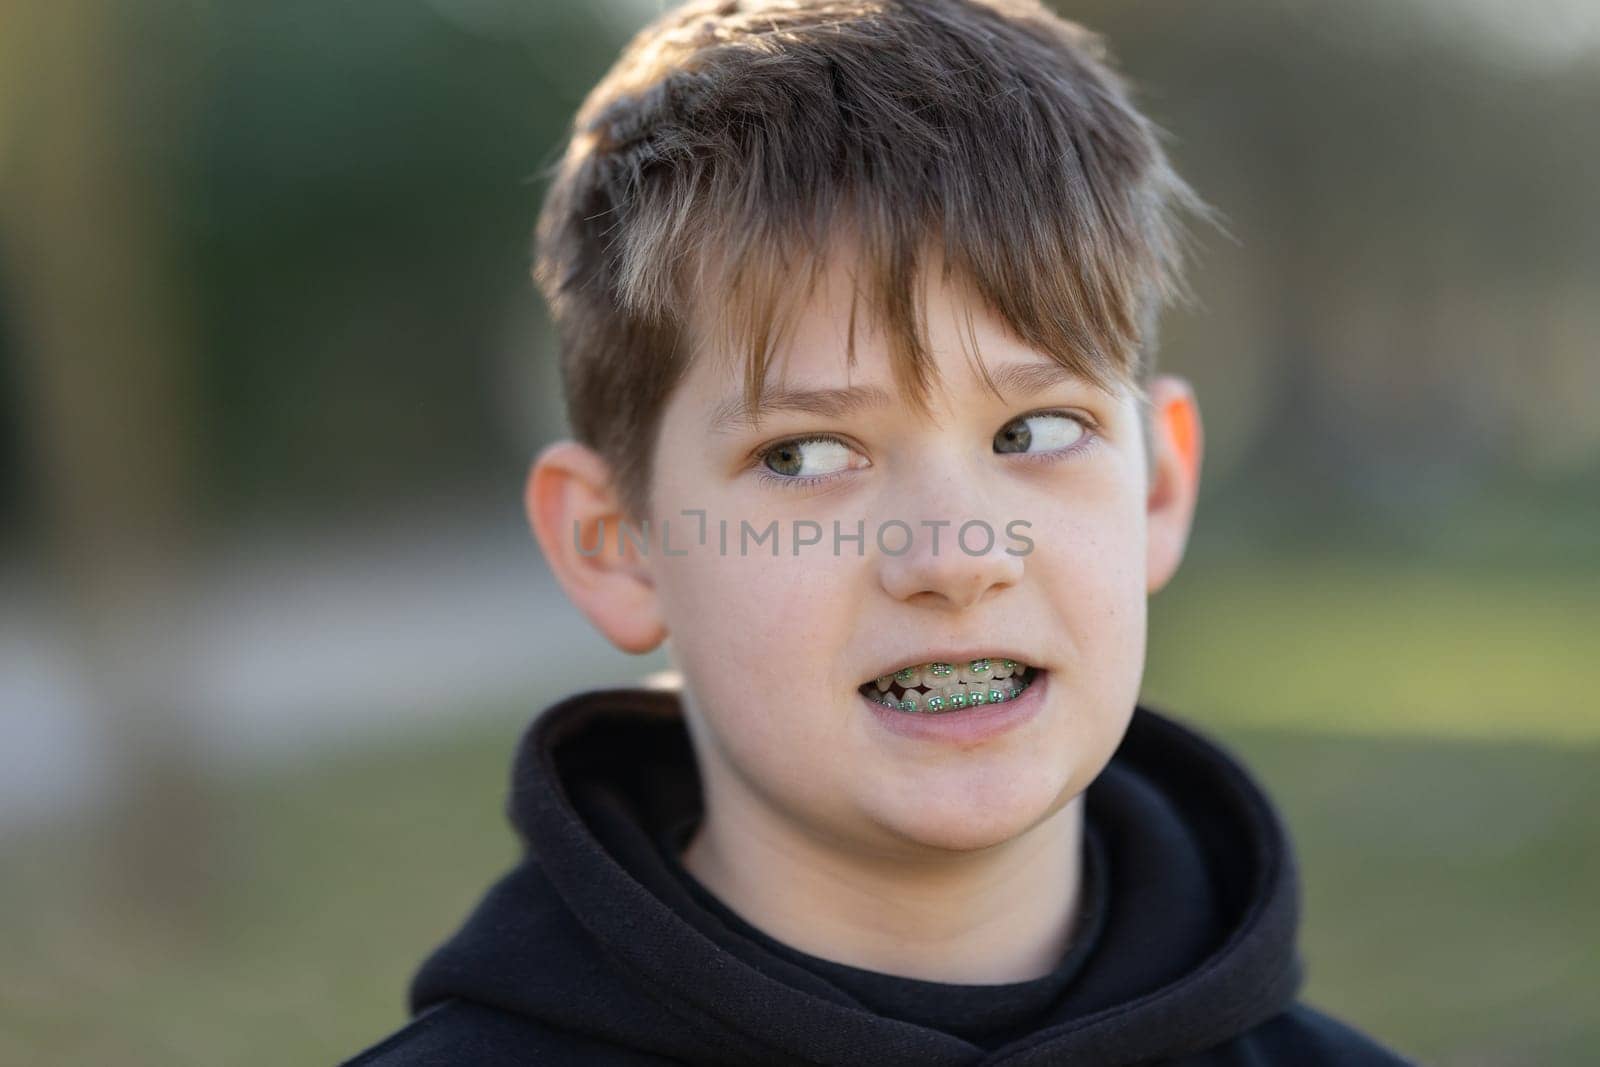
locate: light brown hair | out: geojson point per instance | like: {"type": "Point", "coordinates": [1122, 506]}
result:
{"type": "Point", "coordinates": [711, 170]}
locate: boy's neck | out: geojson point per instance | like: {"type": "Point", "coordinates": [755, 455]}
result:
{"type": "Point", "coordinates": [998, 915]}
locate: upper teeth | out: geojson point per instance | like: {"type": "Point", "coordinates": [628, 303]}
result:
{"type": "Point", "coordinates": [939, 673]}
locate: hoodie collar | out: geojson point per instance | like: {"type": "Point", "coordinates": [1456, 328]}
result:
{"type": "Point", "coordinates": [588, 934]}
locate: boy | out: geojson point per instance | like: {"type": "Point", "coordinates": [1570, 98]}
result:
{"type": "Point", "coordinates": [857, 304]}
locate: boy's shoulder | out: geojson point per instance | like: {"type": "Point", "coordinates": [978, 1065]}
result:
{"type": "Point", "coordinates": [461, 1032]}
{"type": "Point", "coordinates": [1306, 1035]}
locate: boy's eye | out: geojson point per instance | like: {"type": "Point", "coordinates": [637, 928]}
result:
{"type": "Point", "coordinates": [807, 457]}
{"type": "Point", "coordinates": [1050, 431]}
{"type": "Point", "coordinates": [809, 461]}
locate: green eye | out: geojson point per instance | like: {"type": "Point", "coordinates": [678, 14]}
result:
{"type": "Point", "coordinates": [1051, 431]}
{"type": "Point", "coordinates": [807, 457]}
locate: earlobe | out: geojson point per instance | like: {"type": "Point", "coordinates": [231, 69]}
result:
{"type": "Point", "coordinates": [576, 516]}
{"type": "Point", "coordinates": [1174, 487]}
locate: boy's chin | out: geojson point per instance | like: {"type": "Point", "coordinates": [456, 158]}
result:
{"type": "Point", "coordinates": [982, 819]}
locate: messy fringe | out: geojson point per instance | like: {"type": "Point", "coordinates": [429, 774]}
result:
{"type": "Point", "coordinates": [736, 144]}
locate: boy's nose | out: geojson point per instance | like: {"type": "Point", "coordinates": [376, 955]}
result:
{"type": "Point", "coordinates": [955, 572]}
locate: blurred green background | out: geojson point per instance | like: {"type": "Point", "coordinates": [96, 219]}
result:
{"type": "Point", "coordinates": [272, 372]}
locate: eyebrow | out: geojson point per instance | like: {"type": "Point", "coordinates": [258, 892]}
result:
{"type": "Point", "coordinates": [733, 414]}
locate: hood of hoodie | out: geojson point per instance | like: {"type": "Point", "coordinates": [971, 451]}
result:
{"type": "Point", "coordinates": [1198, 942]}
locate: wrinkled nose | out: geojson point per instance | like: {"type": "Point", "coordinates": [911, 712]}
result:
{"type": "Point", "coordinates": [954, 565]}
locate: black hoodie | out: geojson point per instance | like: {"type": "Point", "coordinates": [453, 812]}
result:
{"type": "Point", "coordinates": [599, 947]}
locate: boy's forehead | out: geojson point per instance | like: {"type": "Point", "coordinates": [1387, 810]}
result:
{"type": "Point", "coordinates": [830, 355]}
{"type": "Point", "coordinates": [840, 394]}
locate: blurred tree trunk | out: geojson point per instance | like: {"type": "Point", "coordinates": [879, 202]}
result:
{"type": "Point", "coordinates": [91, 121]}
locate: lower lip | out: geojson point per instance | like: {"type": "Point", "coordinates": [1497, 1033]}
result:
{"type": "Point", "coordinates": [971, 726]}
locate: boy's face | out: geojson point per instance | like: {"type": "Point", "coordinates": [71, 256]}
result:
{"type": "Point", "coordinates": [774, 650]}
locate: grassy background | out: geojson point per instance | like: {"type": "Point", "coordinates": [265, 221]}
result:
{"type": "Point", "coordinates": [1429, 735]}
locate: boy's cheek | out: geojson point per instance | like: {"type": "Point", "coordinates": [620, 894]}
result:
{"type": "Point", "coordinates": [752, 608]}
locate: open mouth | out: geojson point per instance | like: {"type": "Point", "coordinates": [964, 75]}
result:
{"type": "Point", "coordinates": [938, 687]}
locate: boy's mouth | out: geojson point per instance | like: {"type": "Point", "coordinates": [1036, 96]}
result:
{"type": "Point", "coordinates": [939, 687]}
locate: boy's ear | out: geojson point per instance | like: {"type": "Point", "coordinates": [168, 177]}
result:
{"type": "Point", "coordinates": [1175, 476]}
{"type": "Point", "coordinates": [577, 519]}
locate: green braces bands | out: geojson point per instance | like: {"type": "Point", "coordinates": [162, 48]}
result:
{"type": "Point", "coordinates": [939, 704]}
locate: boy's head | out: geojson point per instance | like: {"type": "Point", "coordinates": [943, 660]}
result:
{"type": "Point", "coordinates": [870, 266]}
